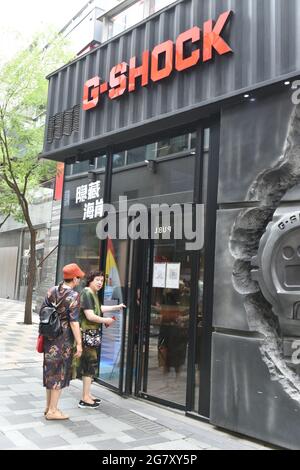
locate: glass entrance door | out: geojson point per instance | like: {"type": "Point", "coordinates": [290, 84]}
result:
{"type": "Point", "coordinates": [165, 351]}
{"type": "Point", "coordinates": [163, 301]}
{"type": "Point", "coordinates": [167, 342]}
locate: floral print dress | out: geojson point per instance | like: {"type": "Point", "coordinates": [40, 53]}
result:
{"type": "Point", "coordinates": [58, 352]}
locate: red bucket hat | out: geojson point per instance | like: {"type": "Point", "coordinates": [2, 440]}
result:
{"type": "Point", "coordinates": [72, 270]}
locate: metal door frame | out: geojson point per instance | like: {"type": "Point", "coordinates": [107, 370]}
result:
{"type": "Point", "coordinates": [210, 200]}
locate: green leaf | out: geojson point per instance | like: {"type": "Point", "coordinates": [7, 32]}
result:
{"type": "Point", "coordinates": [23, 101]}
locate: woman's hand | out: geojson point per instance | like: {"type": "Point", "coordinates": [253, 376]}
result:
{"type": "Point", "coordinates": [78, 350]}
{"type": "Point", "coordinates": [108, 321]}
{"type": "Point", "coordinates": [118, 307]}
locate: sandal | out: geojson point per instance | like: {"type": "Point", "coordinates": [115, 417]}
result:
{"type": "Point", "coordinates": [57, 415]}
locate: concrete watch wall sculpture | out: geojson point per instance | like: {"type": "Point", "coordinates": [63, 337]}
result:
{"type": "Point", "coordinates": [265, 243]}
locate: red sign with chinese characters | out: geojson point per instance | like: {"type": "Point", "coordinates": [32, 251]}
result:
{"type": "Point", "coordinates": [59, 181]}
{"type": "Point", "coordinates": [161, 62]}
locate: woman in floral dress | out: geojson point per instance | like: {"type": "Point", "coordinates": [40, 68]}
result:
{"type": "Point", "coordinates": [58, 352]}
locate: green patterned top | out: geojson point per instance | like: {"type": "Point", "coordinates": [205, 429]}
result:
{"type": "Point", "coordinates": [89, 301]}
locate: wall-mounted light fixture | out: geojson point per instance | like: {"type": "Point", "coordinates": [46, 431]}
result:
{"type": "Point", "coordinates": [250, 98]}
{"type": "Point", "coordinates": [152, 165]}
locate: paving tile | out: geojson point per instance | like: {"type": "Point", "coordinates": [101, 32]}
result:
{"type": "Point", "coordinates": [118, 424]}
{"type": "Point", "coordinates": [8, 393]}
{"type": "Point", "coordinates": [69, 437]}
{"type": "Point", "coordinates": [6, 444]}
{"type": "Point", "coordinates": [21, 419]}
{"type": "Point", "coordinates": [88, 430]}
{"type": "Point", "coordinates": [21, 426]}
{"type": "Point", "coordinates": [110, 444]}
{"type": "Point", "coordinates": [112, 425]}
{"type": "Point", "coordinates": [137, 434]}
{"type": "Point", "coordinates": [171, 435]}
{"type": "Point", "coordinates": [125, 439]}
{"type": "Point", "coordinates": [31, 380]}
{"type": "Point", "coordinates": [9, 380]}
{"type": "Point", "coordinates": [20, 441]}
{"type": "Point", "coordinates": [175, 445]}
{"type": "Point", "coordinates": [150, 440]}
{"type": "Point", "coordinates": [80, 446]}
{"type": "Point", "coordinates": [51, 442]}
{"type": "Point", "coordinates": [198, 443]}
{"type": "Point", "coordinates": [141, 448]}
{"type": "Point", "coordinates": [50, 430]}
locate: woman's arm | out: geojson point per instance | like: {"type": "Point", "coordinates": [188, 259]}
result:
{"type": "Point", "coordinates": [77, 335]}
{"type": "Point", "coordinates": [95, 319]}
{"type": "Point", "coordinates": [74, 322]}
{"type": "Point", "coordinates": [111, 308]}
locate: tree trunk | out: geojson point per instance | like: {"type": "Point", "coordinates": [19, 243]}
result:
{"type": "Point", "coordinates": [31, 278]}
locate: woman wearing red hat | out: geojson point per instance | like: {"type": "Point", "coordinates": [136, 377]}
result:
{"type": "Point", "coordinates": [58, 352]}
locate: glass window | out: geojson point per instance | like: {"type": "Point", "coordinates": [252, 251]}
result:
{"type": "Point", "coordinates": [68, 169]}
{"type": "Point", "coordinates": [141, 184]}
{"type": "Point", "coordinates": [118, 160]}
{"type": "Point", "coordinates": [206, 139]}
{"type": "Point", "coordinates": [101, 162]}
{"type": "Point", "coordinates": [81, 167]}
{"type": "Point", "coordinates": [159, 4]}
{"type": "Point", "coordinates": [126, 18]}
{"type": "Point", "coordinates": [174, 145]}
{"type": "Point", "coordinates": [79, 244]}
{"type": "Point", "coordinates": [140, 154]}
{"type": "Point", "coordinates": [111, 346]}
{"type": "Point", "coordinates": [193, 140]}
{"type": "Point", "coordinates": [80, 215]}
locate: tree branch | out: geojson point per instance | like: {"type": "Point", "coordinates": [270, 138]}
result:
{"type": "Point", "coordinates": [28, 174]}
{"type": "Point", "coordinates": [3, 222]}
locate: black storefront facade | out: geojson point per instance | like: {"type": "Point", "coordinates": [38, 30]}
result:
{"type": "Point", "coordinates": [198, 104]}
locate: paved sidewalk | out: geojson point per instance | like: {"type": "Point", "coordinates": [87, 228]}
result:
{"type": "Point", "coordinates": [119, 423]}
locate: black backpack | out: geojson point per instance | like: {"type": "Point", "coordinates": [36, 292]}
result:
{"type": "Point", "coordinates": [50, 325]}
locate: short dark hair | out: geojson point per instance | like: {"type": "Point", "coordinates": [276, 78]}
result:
{"type": "Point", "coordinates": [91, 276]}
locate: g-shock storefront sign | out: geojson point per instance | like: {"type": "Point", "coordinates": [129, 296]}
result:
{"type": "Point", "coordinates": [191, 48]}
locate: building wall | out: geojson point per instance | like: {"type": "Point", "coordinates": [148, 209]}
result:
{"type": "Point", "coordinates": [262, 35]}
{"type": "Point", "coordinates": [254, 387]}
{"type": "Point", "coordinates": [15, 234]}
{"type": "Point", "coordinates": [47, 272]}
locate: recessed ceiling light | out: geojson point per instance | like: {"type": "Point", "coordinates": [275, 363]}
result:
{"type": "Point", "coordinates": [246, 96]}
{"type": "Point", "coordinates": [287, 83]}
